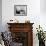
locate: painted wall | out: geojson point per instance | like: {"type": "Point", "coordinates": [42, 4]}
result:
{"type": "Point", "coordinates": [43, 6]}
{"type": "Point", "coordinates": [0, 15]}
{"type": "Point", "coordinates": [33, 14]}
{"type": "Point", "coordinates": [43, 14]}
{"type": "Point", "coordinates": [33, 10]}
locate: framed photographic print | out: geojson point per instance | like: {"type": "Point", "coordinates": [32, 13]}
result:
{"type": "Point", "coordinates": [20, 10]}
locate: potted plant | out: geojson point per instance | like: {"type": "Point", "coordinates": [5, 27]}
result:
{"type": "Point", "coordinates": [41, 36]}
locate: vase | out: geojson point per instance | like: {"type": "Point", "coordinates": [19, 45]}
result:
{"type": "Point", "coordinates": [41, 43]}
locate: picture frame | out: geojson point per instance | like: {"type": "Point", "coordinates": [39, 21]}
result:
{"type": "Point", "coordinates": [20, 10]}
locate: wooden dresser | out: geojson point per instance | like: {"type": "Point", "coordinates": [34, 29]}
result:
{"type": "Point", "coordinates": [22, 33]}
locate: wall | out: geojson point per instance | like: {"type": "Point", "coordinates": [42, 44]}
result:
{"type": "Point", "coordinates": [33, 14]}
{"type": "Point", "coordinates": [0, 15]}
{"type": "Point", "coordinates": [33, 10]}
{"type": "Point", "coordinates": [43, 13]}
{"type": "Point", "coordinates": [43, 6]}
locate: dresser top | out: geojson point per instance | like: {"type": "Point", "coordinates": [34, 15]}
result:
{"type": "Point", "coordinates": [19, 23]}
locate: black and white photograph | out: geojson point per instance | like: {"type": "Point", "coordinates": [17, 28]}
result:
{"type": "Point", "coordinates": [20, 10]}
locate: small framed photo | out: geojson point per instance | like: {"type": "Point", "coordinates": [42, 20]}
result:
{"type": "Point", "coordinates": [20, 10]}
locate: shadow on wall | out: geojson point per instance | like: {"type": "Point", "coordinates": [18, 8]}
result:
{"type": "Point", "coordinates": [0, 15]}
{"type": "Point", "coordinates": [43, 6]}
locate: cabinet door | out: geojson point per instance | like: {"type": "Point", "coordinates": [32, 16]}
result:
{"type": "Point", "coordinates": [20, 37]}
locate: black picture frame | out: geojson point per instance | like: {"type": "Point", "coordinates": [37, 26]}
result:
{"type": "Point", "coordinates": [20, 10]}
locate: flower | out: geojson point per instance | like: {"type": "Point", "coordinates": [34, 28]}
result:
{"type": "Point", "coordinates": [40, 33]}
